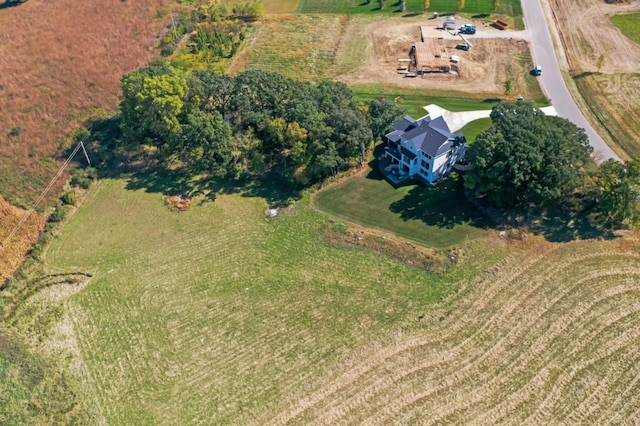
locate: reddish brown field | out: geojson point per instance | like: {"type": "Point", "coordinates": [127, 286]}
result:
{"type": "Point", "coordinates": [59, 61]}
{"type": "Point", "coordinates": [12, 250]}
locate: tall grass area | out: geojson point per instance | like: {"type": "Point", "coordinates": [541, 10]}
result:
{"type": "Point", "coordinates": [294, 46]}
{"type": "Point", "coordinates": [629, 24]}
{"type": "Point", "coordinates": [218, 314]}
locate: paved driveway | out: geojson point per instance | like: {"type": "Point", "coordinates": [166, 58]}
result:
{"type": "Point", "coordinates": [551, 79]}
{"type": "Point", "coordinates": [457, 120]}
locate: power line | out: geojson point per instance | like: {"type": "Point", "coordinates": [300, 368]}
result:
{"type": "Point", "coordinates": [44, 193]}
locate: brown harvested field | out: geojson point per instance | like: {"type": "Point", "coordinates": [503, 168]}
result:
{"type": "Point", "coordinates": [547, 336]}
{"type": "Point", "coordinates": [59, 60]}
{"type": "Point", "coordinates": [585, 31]}
{"type": "Point", "coordinates": [13, 250]}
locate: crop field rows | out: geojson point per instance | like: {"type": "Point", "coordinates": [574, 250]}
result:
{"type": "Point", "coordinates": [551, 337]}
{"type": "Point", "coordinates": [221, 313]}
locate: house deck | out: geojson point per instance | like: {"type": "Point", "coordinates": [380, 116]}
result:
{"type": "Point", "coordinates": [391, 172]}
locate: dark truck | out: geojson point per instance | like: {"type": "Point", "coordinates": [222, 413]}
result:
{"type": "Point", "coordinates": [467, 29]}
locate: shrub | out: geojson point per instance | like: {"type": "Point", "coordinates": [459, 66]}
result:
{"type": "Point", "coordinates": [59, 213]}
{"type": "Point", "coordinates": [83, 178]}
{"type": "Point", "coordinates": [69, 198]}
{"type": "Point", "coordinates": [16, 131]}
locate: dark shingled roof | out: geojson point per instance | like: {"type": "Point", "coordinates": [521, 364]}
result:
{"type": "Point", "coordinates": [403, 124]}
{"type": "Point", "coordinates": [431, 136]}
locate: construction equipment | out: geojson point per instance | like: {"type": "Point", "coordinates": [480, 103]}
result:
{"type": "Point", "coordinates": [449, 24]}
{"type": "Point", "coordinates": [466, 45]}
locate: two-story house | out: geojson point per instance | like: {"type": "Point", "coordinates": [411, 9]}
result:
{"type": "Point", "coordinates": [423, 148]}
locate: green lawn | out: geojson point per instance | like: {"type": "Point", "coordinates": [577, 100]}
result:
{"type": "Point", "coordinates": [629, 24]}
{"type": "Point", "coordinates": [219, 315]}
{"type": "Point", "coordinates": [473, 129]}
{"type": "Point", "coordinates": [475, 7]}
{"type": "Point", "coordinates": [437, 216]}
{"type": "Point", "coordinates": [414, 100]}
{"type": "Point", "coordinates": [347, 7]}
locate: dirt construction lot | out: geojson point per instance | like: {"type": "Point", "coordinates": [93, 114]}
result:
{"type": "Point", "coordinates": [496, 56]}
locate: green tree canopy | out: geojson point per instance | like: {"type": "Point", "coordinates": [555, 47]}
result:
{"type": "Point", "coordinates": [252, 123]}
{"type": "Point", "coordinates": [527, 158]}
{"type": "Point", "coordinates": [151, 108]}
{"type": "Point", "coordinates": [381, 114]}
{"type": "Point", "coordinates": [617, 194]}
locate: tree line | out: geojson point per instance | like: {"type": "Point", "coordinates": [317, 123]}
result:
{"type": "Point", "coordinates": [251, 124]}
{"type": "Point", "coordinates": [528, 159]}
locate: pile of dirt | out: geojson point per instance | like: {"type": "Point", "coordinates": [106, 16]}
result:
{"type": "Point", "coordinates": [13, 250]}
{"type": "Point", "coordinates": [181, 202]}
{"type": "Point", "coordinates": [407, 253]}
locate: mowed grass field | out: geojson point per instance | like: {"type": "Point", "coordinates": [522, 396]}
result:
{"type": "Point", "coordinates": [549, 336]}
{"type": "Point", "coordinates": [222, 316]}
{"type": "Point", "coordinates": [509, 7]}
{"type": "Point", "coordinates": [437, 216]}
{"type": "Point", "coordinates": [219, 315]}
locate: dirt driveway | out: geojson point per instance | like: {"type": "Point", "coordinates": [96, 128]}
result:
{"type": "Point", "coordinates": [496, 56]}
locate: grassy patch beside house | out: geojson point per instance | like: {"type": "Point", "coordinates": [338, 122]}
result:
{"type": "Point", "coordinates": [438, 216]}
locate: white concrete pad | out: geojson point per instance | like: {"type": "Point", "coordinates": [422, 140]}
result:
{"type": "Point", "coordinates": [457, 120]}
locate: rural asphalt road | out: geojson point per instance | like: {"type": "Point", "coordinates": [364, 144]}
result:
{"type": "Point", "coordinates": [551, 79]}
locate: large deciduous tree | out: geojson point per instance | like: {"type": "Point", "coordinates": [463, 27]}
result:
{"type": "Point", "coordinates": [381, 114]}
{"type": "Point", "coordinates": [617, 194]}
{"type": "Point", "coordinates": [206, 142]}
{"type": "Point", "coordinates": [151, 107]}
{"type": "Point", "coordinates": [527, 158]}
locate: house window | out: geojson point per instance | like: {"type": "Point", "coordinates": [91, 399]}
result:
{"type": "Point", "coordinates": [427, 155]}
{"type": "Point", "coordinates": [425, 164]}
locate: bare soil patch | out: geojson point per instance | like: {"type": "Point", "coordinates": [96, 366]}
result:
{"type": "Point", "coordinates": [587, 32]}
{"type": "Point", "coordinates": [484, 68]}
